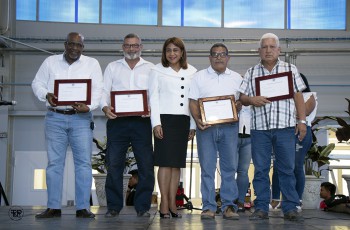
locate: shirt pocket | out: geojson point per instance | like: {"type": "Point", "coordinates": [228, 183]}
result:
{"type": "Point", "coordinates": [141, 81]}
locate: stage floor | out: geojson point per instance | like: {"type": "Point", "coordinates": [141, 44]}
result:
{"type": "Point", "coordinates": [314, 219]}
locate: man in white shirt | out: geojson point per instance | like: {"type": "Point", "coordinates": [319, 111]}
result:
{"type": "Point", "coordinates": [129, 73]}
{"type": "Point", "coordinates": [219, 139]}
{"type": "Point", "coordinates": [68, 125]}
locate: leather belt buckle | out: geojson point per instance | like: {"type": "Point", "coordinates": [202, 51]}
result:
{"type": "Point", "coordinates": [65, 112]}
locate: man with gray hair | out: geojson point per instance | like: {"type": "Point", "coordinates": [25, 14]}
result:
{"type": "Point", "coordinates": [128, 73]}
{"type": "Point", "coordinates": [274, 123]}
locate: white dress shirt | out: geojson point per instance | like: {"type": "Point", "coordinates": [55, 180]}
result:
{"type": "Point", "coordinates": [118, 76]}
{"type": "Point", "coordinates": [169, 92]}
{"type": "Point", "coordinates": [56, 67]}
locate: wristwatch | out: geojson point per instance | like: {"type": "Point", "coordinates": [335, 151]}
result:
{"type": "Point", "coordinates": [302, 122]}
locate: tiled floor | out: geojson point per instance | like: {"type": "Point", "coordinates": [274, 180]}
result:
{"type": "Point", "coordinates": [314, 219]}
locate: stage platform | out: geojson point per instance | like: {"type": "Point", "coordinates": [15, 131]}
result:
{"type": "Point", "coordinates": [314, 219]}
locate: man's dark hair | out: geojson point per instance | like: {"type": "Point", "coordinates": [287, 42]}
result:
{"type": "Point", "coordinates": [218, 45]}
{"type": "Point", "coordinates": [330, 187]}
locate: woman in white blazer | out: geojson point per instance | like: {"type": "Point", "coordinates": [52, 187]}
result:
{"type": "Point", "coordinates": [171, 120]}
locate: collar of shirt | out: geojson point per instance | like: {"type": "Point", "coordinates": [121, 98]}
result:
{"type": "Point", "coordinates": [211, 70]}
{"type": "Point", "coordinates": [169, 71]}
{"type": "Point", "coordinates": [141, 61]}
{"type": "Point", "coordinates": [273, 69]}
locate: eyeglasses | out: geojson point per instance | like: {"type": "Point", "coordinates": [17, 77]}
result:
{"type": "Point", "coordinates": [128, 46]}
{"type": "Point", "coordinates": [216, 55]}
{"type": "Point", "coordinates": [72, 44]}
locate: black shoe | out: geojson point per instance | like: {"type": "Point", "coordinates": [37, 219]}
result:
{"type": "Point", "coordinates": [175, 215]}
{"type": "Point", "coordinates": [111, 213]}
{"type": "Point", "coordinates": [84, 213]}
{"type": "Point", "coordinates": [143, 214]}
{"type": "Point", "coordinates": [259, 215]}
{"type": "Point", "coordinates": [164, 215]}
{"type": "Point", "coordinates": [293, 215]}
{"type": "Point", "coordinates": [49, 213]}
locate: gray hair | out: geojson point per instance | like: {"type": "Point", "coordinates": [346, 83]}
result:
{"type": "Point", "coordinates": [270, 35]}
{"type": "Point", "coordinates": [131, 35]}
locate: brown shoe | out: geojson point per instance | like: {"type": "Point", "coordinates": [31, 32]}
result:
{"type": "Point", "coordinates": [207, 214]}
{"type": "Point", "coordinates": [274, 204]}
{"type": "Point", "coordinates": [230, 213]}
{"type": "Point", "coordinates": [49, 213]}
{"type": "Point", "coordinates": [84, 213]}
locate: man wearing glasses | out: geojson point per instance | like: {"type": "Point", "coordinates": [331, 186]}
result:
{"type": "Point", "coordinates": [68, 125]}
{"type": "Point", "coordinates": [129, 73]}
{"type": "Point", "coordinates": [219, 139]}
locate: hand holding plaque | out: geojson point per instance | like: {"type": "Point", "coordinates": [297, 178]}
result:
{"type": "Point", "coordinates": [276, 86]}
{"type": "Point", "coordinates": [218, 110]}
{"type": "Point", "coordinates": [130, 103]}
{"type": "Point", "coordinates": [69, 91]}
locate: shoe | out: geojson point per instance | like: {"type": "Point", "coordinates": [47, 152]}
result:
{"type": "Point", "coordinates": [275, 204]}
{"type": "Point", "coordinates": [175, 215]}
{"type": "Point", "coordinates": [207, 214]}
{"type": "Point", "coordinates": [49, 213]}
{"type": "Point", "coordinates": [230, 213]}
{"type": "Point", "coordinates": [111, 213]}
{"type": "Point", "coordinates": [293, 215]}
{"type": "Point", "coordinates": [241, 207]}
{"type": "Point", "coordinates": [84, 213]}
{"type": "Point", "coordinates": [143, 214]}
{"type": "Point", "coordinates": [299, 208]}
{"type": "Point", "coordinates": [164, 215]}
{"type": "Point", "coordinates": [259, 215]}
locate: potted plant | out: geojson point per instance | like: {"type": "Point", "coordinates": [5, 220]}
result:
{"type": "Point", "coordinates": [99, 164]}
{"type": "Point", "coordinates": [99, 159]}
{"type": "Point", "coordinates": [318, 156]}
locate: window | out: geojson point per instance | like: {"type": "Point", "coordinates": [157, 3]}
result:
{"type": "Point", "coordinates": [48, 11]}
{"type": "Point", "coordinates": [88, 11]}
{"type": "Point", "coordinates": [317, 14]}
{"type": "Point", "coordinates": [269, 14]}
{"type": "Point", "coordinates": [205, 13]}
{"type": "Point", "coordinates": [26, 10]}
{"type": "Point", "coordinates": [130, 12]}
{"type": "Point", "coordinates": [254, 14]}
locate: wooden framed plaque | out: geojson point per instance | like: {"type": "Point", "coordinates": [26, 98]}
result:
{"type": "Point", "coordinates": [69, 91]}
{"type": "Point", "coordinates": [276, 86]}
{"type": "Point", "coordinates": [218, 110]}
{"type": "Point", "coordinates": [130, 103]}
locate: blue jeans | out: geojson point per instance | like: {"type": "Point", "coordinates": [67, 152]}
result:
{"type": "Point", "coordinates": [218, 139]}
{"type": "Point", "coordinates": [282, 143]}
{"type": "Point", "coordinates": [243, 162]}
{"type": "Point", "coordinates": [301, 149]}
{"type": "Point", "coordinates": [121, 132]}
{"type": "Point", "coordinates": [60, 131]}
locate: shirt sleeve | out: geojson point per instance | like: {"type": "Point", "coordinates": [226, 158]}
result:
{"type": "Point", "coordinates": [153, 88]}
{"type": "Point", "coordinates": [107, 87]}
{"type": "Point", "coordinates": [97, 84]}
{"type": "Point", "coordinates": [40, 82]}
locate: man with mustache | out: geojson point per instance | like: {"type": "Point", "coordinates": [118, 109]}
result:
{"type": "Point", "coordinates": [219, 139]}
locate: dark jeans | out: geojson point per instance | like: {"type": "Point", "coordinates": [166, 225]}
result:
{"type": "Point", "coordinates": [121, 132]}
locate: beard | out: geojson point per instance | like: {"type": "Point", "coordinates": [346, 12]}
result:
{"type": "Point", "coordinates": [132, 56]}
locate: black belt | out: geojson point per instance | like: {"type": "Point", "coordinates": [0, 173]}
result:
{"type": "Point", "coordinates": [65, 112]}
{"type": "Point", "coordinates": [241, 135]}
